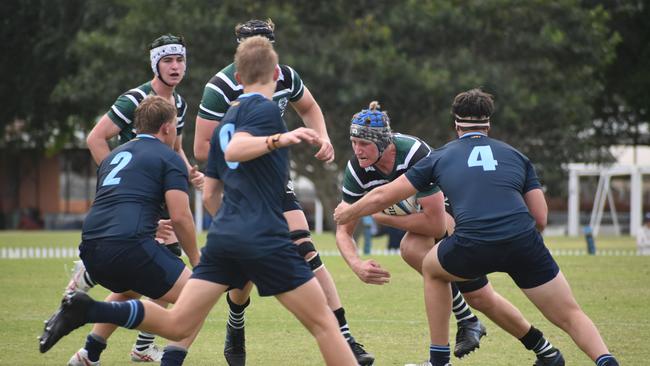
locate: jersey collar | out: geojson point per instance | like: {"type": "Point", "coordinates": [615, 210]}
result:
{"type": "Point", "coordinates": [473, 134]}
{"type": "Point", "coordinates": [144, 136]}
{"type": "Point", "coordinates": [246, 95]}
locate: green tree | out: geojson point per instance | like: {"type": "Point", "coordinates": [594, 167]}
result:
{"type": "Point", "coordinates": [36, 35]}
{"type": "Point", "coordinates": [544, 62]}
{"type": "Point", "coordinates": [622, 109]}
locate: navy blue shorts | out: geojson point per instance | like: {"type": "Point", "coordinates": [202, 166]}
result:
{"type": "Point", "coordinates": [273, 274]}
{"type": "Point", "coordinates": [290, 201]}
{"type": "Point", "coordinates": [525, 259]}
{"type": "Point", "coordinates": [144, 266]}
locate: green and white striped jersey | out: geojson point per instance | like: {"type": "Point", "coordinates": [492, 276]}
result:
{"type": "Point", "coordinates": [358, 181]}
{"type": "Point", "coordinates": [123, 110]}
{"type": "Point", "coordinates": [222, 89]}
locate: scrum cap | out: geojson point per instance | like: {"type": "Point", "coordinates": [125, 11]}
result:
{"type": "Point", "coordinates": [374, 125]}
{"type": "Point", "coordinates": [164, 46]}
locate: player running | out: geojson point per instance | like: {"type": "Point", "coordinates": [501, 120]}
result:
{"type": "Point", "coordinates": [218, 95]}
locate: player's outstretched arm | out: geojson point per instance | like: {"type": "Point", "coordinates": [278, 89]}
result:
{"type": "Point", "coordinates": [178, 204]}
{"type": "Point", "coordinates": [368, 271]}
{"type": "Point", "coordinates": [312, 116]}
{"type": "Point", "coordinates": [537, 206]}
{"type": "Point", "coordinates": [212, 195]}
{"type": "Point", "coordinates": [98, 137]}
{"type": "Point", "coordinates": [430, 221]}
{"type": "Point", "coordinates": [375, 201]}
{"type": "Point", "coordinates": [203, 130]}
{"type": "Point", "coordinates": [245, 147]}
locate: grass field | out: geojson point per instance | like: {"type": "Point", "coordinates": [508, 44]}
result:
{"type": "Point", "coordinates": [389, 320]}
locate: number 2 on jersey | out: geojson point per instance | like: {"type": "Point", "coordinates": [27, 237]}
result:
{"type": "Point", "coordinates": [121, 159]}
{"type": "Point", "coordinates": [482, 156]}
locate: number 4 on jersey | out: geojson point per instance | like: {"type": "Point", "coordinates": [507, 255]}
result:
{"type": "Point", "coordinates": [482, 156]}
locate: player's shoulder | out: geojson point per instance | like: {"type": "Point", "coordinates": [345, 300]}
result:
{"type": "Point", "coordinates": [135, 95]}
{"type": "Point", "coordinates": [288, 70]}
{"type": "Point", "coordinates": [288, 75]}
{"type": "Point", "coordinates": [226, 75]}
{"type": "Point", "coordinates": [224, 83]}
{"type": "Point", "coordinates": [408, 141]}
{"type": "Point", "coordinates": [499, 144]}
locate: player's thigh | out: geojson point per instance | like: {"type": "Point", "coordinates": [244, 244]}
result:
{"type": "Point", "coordinates": [307, 302]}
{"type": "Point", "coordinates": [173, 294]}
{"type": "Point", "coordinates": [432, 267]}
{"type": "Point", "coordinates": [554, 298]}
{"type": "Point", "coordinates": [196, 300]}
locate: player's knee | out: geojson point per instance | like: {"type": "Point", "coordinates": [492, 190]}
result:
{"type": "Point", "coordinates": [179, 329]}
{"type": "Point", "coordinates": [308, 251]}
{"type": "Point", "coordinates": [480, 300]}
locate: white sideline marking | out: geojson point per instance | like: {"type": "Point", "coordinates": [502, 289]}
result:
{"type": "Point", "coordinates": [72, 252]}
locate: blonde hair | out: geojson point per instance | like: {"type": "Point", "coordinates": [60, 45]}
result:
{"type": "Point", "coordinates": [152, 113]}
{"type": "Point", "coordinates": [255, 60]}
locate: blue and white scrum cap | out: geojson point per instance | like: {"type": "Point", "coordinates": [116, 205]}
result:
{"type": "Point", "coordinates": [372, 124]}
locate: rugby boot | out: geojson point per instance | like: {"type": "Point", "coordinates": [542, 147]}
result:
{"type": "Point", "coordinates": [363, 358]}
{"type": "Point", "coordinates": [234, 348]}
{"type": "Point", "coordinates": [468, 337]}
{"type": "Point", "coordinates": [81, 359]}
{"type": "Point", "coordinates": [555, 359]}
{"type": "Point", "coordinates": [152, 353]}
{"type": "Point", "coordinates": [68, 317]}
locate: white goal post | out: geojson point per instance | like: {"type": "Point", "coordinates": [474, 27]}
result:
{"type": "Point", "coordinates": [603, 192]}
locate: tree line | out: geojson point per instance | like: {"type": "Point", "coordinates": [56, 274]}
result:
{"type": "Point", "coordinates": [570, 77]}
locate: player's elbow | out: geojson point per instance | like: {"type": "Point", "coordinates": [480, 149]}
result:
{"type": "Point", "coordinates": [93, 139]}
{"type": "Point", "coordinates": [182, 219]}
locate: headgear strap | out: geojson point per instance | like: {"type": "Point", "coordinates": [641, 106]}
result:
{"type": "Point", "coordinates": [482, 121]}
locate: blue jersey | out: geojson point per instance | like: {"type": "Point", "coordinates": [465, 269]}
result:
{"type": "Point", "coordinates": [485, 180]}
{"type": "Point", "coordinates": [250, 221]}
{"type": "Point", "coordinates": [131, 185]}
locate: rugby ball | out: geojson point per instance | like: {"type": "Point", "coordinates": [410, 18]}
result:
{"type": "Point", "coordinates": [405, 207]}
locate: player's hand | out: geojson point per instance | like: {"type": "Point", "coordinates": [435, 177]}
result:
{"type": "Point", "coordinates": [342, 214]}
{"type": "Point", "coordinates": [371, 272]}
{"type": "Point", "coordinates": [300, 134]}
{"type": "Point", "coordinates": [165, 231]}
{"type": "Point", "coordinates": [197, 178]}
{"type": "Point", "coordinates": [326, 151]}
